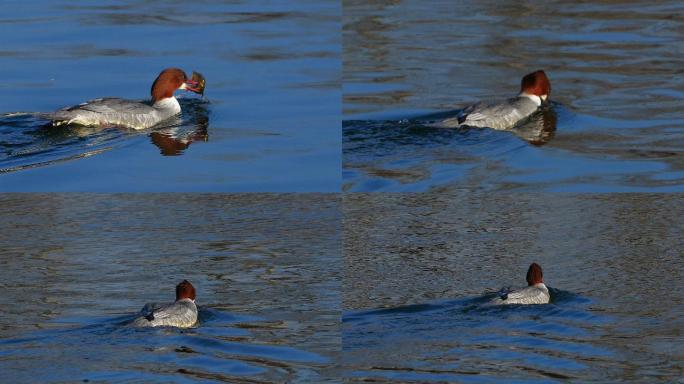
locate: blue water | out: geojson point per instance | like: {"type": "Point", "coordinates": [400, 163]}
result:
{"type": "Point", "coordinates": [270, 121]}
{"type": "Point", "coordinates": [108, 350]}
{"type": "Point", "coordinates": [615, 83]}
{"type": "Point", "coordinates": [403, 155]}
{"type": "Point", "coordinates": [414, 295]}
{"type": "Point", "coordinates": [76, 268]}
{"type": "Point", "coordinates": [467, 341]}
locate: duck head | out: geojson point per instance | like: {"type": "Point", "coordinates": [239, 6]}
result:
{"type": "Point", "coordinates": [185, 290]}
{"type": "Point", "coordinates": [536, 83]}
{"type": "Point", "coordinates": [169, 81]}
{"type": "Point", "coordinates": [534, 274]}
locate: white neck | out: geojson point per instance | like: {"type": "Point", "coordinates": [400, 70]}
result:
{"type": "Point", "coordinates": [536, 99]}
{"type": "Point", "coordinates": [168, 103]}
{"type": "Point", "coordinates": [185, 298]}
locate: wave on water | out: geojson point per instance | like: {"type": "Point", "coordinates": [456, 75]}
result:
{"type": "Point", "coordinates": [222, 347]}
{"type": "Point", "coordinates": [460, 339]}
{"type": "Point", "coordinates": [28, 140]}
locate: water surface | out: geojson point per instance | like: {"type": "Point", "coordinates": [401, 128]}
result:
{"type": "Point", "coordinates": [75, 267]}
{"type": "Point", "coordinates": [270, 120]}
{"type": "Point", "coordinates": [413, 296]}
{"type": "Point", "coordinates": [616, 75]}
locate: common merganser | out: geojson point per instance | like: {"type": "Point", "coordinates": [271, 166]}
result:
{"type": "Point", "coordinates": [129, 113]}
{"type": "Point", "coordinates": [181, 314]}
{"type": "Point", "coordinates": [535, 89]}
{"type": "Point", "coordinates": [535, 292]}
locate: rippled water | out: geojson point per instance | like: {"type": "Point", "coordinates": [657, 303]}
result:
{"type": "Point", "coordinates": [74, 268]}
{"type": "Point", "coordinates": [31, 142]}
{"type": "Point", "coordinates": [270, 121]}
{"type": "Point", "coordinates": [413, 296]}
{"type": "Point", "coordinates": [617, 84]}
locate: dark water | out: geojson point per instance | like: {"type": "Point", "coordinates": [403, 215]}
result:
{"type": "Point", "coordinates": [270, 121]}
{"type": "Point", "coordinates": [73, 268]}
{"type": "Point", "coordinates": [616, 82]}
{"type": "Point", "coordinates": [413, 296]}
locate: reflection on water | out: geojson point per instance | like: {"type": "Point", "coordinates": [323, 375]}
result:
{"type": "Point", "coordinates": [609, 318]}
{"type": "Point", "coordinates": [30, 141]}
{"type": "Point", "coordinates": [270, 67]}
{"type": "Point", "coordinates": [614, 74]}
{"type": "Point", "coordinates": [538, 129]}
{"type": "Point", "coordinates": [176, 137]}
{"type": "Point", "coordinates": [265, 268]}
{"type": "Point", "coordinates": [173, 144]}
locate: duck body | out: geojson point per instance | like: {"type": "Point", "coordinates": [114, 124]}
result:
{"type": "Point", "coordinates": [533, 294]}
{"type": "Point", "coordinates": [535, 89]}
{"type": "Point", "coordinates": [500, 116]}
{"type": "Point", "coordinates": [181, 314]}
{"type": "Point", "coordinates": [117, 112]}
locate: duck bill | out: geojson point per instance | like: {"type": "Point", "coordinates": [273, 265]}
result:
{"type": "Point", "coordinates": [192, 85]}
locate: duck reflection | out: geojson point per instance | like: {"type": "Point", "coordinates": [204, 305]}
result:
{"type": "Point", "coordinates": [176, 137]}
{"type": "Point", "coordinates": [539, 129]}
{"type": "Point", "coordinates": [172, 142]}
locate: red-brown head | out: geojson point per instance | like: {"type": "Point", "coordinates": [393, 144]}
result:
{"type": "Point", "coordinates": [536, 83]}
{"type": "Point", "coordinates": [170, 80]}
{"type": "Point", "coordinates": [534, 274]}
{"type": "Point", "coordinates": [185, 290]}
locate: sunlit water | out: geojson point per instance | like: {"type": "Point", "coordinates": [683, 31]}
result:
{"type": "Point", "coordinates": [74, 269]}
{"type": "Point", "coordinates": [616, 85]}
{"type": "Point", "coordinates": [31, 142]}
{"type": "Point", "coordinates": [415, 297]}
{"type": "Point", "coordinates": [269, 121]}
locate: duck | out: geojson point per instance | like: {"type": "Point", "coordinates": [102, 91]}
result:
{"type": "Point", "coordinates": [536, 291]}
{"type": "Point", "coordinates": [181, 314]}
{"type": "Point", "coordinates": [111, 111]}
{"type": "Point", "coordinates": [535, 90]}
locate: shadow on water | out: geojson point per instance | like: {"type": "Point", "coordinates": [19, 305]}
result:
{"type": "Point", "coordinates": [469, 341]}
{"type": "Point", "coordinates": [221, 347]}
{"type": "Point", "coordinates": [27, 140]}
